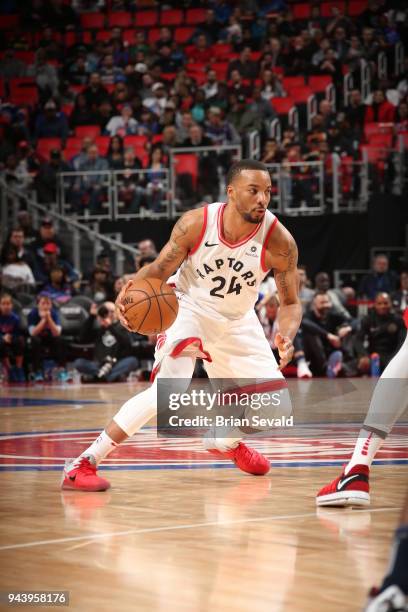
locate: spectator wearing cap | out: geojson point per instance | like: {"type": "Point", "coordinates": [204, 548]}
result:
{"type": "Point", "coordinates": [158, 101]}
{"type": "Point", "coordinates": [44, 328]}
{"type": "Point", "coordinates": [47, 233]}
{"type": "Point", "coordinates": [247, 68]}
{"type": "Point", "coordinates": [49, 259]}
{"type": "Point", "coordinates": [95, 93]}
{"type": "Point", "coordinates": [218, 130]}
{"type": "Point", "coordinates": [50, 123]}
{"type": "Point", "coordinates": [243, 118]}
{"type": "Point", "coordinates": [47, 177]}
{"type": "Point", "coordinates": [124, 124]}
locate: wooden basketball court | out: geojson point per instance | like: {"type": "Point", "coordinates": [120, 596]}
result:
{"type": "Point", "coordinates": [180, 530]}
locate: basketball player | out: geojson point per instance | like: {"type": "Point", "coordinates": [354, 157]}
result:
{"type": "Point", "coordinates": [392, 596]}
{"type": "Point", "coordinates": [389, 401]}
{"type": "Point", "coordinates": [222, 253]}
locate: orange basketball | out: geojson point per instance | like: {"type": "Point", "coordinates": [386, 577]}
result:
{"type": "Point", "coordinates": [150, 306]}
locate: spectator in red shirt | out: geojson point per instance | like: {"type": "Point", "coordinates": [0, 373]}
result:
{"type": "Point", "coordinates": [380, 110]}
{"type": "Point", "coordinates": [201, 52]}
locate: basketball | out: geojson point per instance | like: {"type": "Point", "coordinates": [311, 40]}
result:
{"type": "Point", "coordinates": [150, 306]}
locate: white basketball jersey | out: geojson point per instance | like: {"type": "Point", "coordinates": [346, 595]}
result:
{"type": "Point", "coordinates": [223, 278]}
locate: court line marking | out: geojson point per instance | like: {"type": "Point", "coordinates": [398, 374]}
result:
{"type": "Point", "coordinates": [114, 534]}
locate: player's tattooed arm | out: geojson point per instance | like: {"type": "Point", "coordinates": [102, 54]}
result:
{"type": "Point", "coordinates": [184, 235]}
{"type": "Point", "coordinates": [282, 256]}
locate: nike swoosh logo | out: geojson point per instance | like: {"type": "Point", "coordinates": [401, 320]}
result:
{"type": "Point", "coordinates": [342, 483]}
{"type": "Point", "coordinates": [207, 244]}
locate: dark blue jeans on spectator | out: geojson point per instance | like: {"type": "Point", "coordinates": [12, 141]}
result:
{"type": "Point", "coordinates": [120, 369]}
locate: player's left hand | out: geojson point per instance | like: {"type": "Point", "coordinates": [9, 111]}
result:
{"type": "Point", "coordinates": [286, 349]}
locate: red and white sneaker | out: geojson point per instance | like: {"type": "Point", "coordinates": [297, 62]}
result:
{"type": "Point", "coordinates": [83, 477]}
{"type": "Point", "coordinates": [351, 489]}
{"type": "Point", "coordinates": [392, 599]}
{"type": "Point", "coordinates": [247, 459]}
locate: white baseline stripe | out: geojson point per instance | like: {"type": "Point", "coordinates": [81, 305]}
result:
{"type": "Point", "coordinates": [114, 534]}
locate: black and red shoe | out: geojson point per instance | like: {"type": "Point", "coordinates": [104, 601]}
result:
{"type": "Point", "coordinates": [82, 476]}
{"type": "Point", "coordinates": [351, 489]}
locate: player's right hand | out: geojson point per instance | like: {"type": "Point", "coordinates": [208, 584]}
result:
{"type": "Point", "coordinates": [120, 309]}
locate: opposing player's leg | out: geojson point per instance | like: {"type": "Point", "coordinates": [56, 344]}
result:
{"type": "Point", "coordinates": [244, 356]}
{"type": "Point", "coordinates": [389, 401]}
{"type": "Point", "coordinates": [392, 596]}
{"type": "Point", "coordinates": [81, 472]}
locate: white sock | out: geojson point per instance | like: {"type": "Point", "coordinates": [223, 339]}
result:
{"type": "Point", "coordinates": [100, 448]}
{"type": "Point", "coordinates": [365, 449]}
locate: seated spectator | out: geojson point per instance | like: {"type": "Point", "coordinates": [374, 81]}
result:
{"type": "Point", "coordinates": [46, 181]}
{"type": "Point", "coordinates": [131, 183]}
{"type": "Point", "coordinates": [337, 298]}
{"type": "Point", "coordinates": [218, 130]}
{"type": "Point", "coordinates": [199, 105]}
{"type": "Point", "coordinates": [109, 73]}
{"type": "Point", "coordinates": [45, 329]}
{"type": "Point", "coordinates": [306, 294]}
{"type": "Point", "coordinates": [326, 338]}
{"type": "Point", "coordinates": [201, 53]}
{"type": "Point", "coordinates": [50, 258]}
{"type": "Point", "coordinates": [184, 121]}
{"type": "Point", "coordinates": [381, 279]}
{"type": "Point", "coordinates": [111, 361]}
{"type": "Point", "coordinates": [381, 331]}
{"type": "Point", "coordinates": [16, 274]}
{"type": "Point", "coordinates": [16, 238]}
{"type": "Point", "coordinates": [25, 223]}
{"type": "Point", "coordinates": [268, 316]}
{"type": "Point", "coordinates": [330, 65]}
{"type": "Point", "coordinates": [401, 120]}
{"type": "Point", "coordinates": [319, 55]}
{"type": "Point", "coordinates": [45, 75]}
{"type": "Point", "coordinates": [88, 190]}
{"type": "Point", "coordinates": [146, 248]}
{"type": "Point", "coordinates": [95, 93]}
{"type": "Point", "coordinates": [210, 27]}
{"type": "Point", "coordinates": [247, 68]}
{"type": "Point", "coordinates": [10, 66]}
{"type": "Point", "coordinates": [28, 160]}
{"type": "Point", "coordinates": [57, 287]}
{"type": "Point", "coordinates": [207, 178]}
{"type": "Point", "coordinates": [380, 109]}
{"type": "Point", "coordinates": [77, 160]}
{"type": "Point", "coordinates": [50, 123]}
{"type": "Point", "coordinates": [115, 154]}
{"type": "Point", "coordinates": [124, 124]}
{"type": "Point", "coordinates": [46, 234]}
{"type": "Point", "coordinates": [242, 117]}
{"type": "Point", "coordinates": [261, 106]}
{"type": "Point", "coordinates": [271, 86]}
{"type": "Point", "coordinates": [11, 340]}
{"type": "Point", "coordinates": [168, 60]}
{"type": "Point", "coordinates": [399, 298]}
{"type": "Point", "coordinates": [165, 38]}
{"type": "Point", "coordinates": [16, 175]}
{"type": "Point", "coordinates": [237, 86]}
{"type": "Point", "coordinates": [210, 87]}
{"type": "Point", "coordinates": [326, 112]}
{"type": "Point", "coordinates": [158, 101]}
{"type": "Point", "coordinates": [81, 114]}
{"type": "Point", "coordinates": [355, 111]}
{"type": "Point", "coordinates": [100, 286]}
{"type": "Point", "coordinates": [271, 153]}
{"type": "Point", "coordinates": [155, 188]}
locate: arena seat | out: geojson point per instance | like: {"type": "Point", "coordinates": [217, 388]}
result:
{"type": "Point", "coordinates": [293, 81]}
{"type": "Point", "coordinates": [92, 21]}
{"type": "Point", "coordinates": [81, 131]}
{"type": "Point", "coordinates": [319, 82]}
{"type": "Point", "coordinates": [381, 139]}
{"type": "Point", "coordinates": [171, 17]}
{"type": "Point", "coordinates": [301, 11]}
{"type": "Point", "coordinates": [194, 16]}
{"type": "Point", "coordinates": [356, 7]}
{"type": "Point", "coordinates": [326, 8]}
{"type": "Point", "coordinates": [187, 163]}
{"type": "Point", "coordinates": [222, 51]}
{"type": "Point", "coordinates": [45, 145]}
{"type": "Point", "coordinates": [182, 35]}
{"type": "Point", "coordinates": [146, 19]}
{"type": "Point", "coordinates": [154, 35]}
{"type": "Point", "coordinates": [9, 22]}
{"type": "Point", "coordinates": [376, 127]}
{"type": "Point", "coordinates": [72, 316]}
{"type": "Point", "coordinates": [120, 19]}
{"type": "Point", "coordinates": [103, 144]}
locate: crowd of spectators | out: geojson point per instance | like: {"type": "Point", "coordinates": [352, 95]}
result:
{"type": "Point", "coordinates": [55, 321]}
{"type": "Point", "coordinates": [209, 85]}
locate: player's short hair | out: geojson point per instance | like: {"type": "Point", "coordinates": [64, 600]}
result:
{"type": "Point", "coordinates": [244, 164]}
